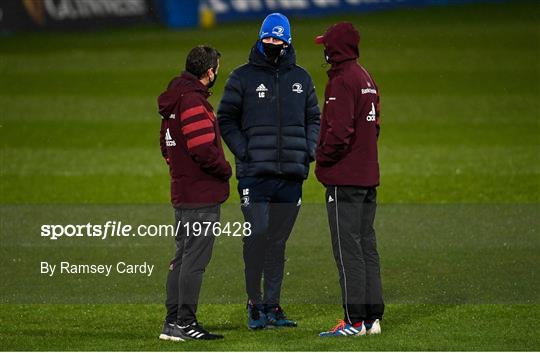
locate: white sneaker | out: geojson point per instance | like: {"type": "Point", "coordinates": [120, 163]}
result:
{"type": "Point", "coordinates": [375, 328]}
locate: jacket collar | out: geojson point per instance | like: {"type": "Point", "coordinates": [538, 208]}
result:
{"type": "Point", "coordinates": [341, 66]}
{"type": "Point", "coordinates": [187, 82]}
{"type": "Point", "coordinates": [180, 85]}
{"type": "Point", "coordinates": [259, 59]}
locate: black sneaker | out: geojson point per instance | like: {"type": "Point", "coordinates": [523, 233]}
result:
{"type": "Point", "coordinates": [275, 316]}
{"type": "Point", "coordinates": [172, 332]}
{"type": "Point", "coordinates": [195, 331]}
{"type": "Point", "coordinates": [256, 316]}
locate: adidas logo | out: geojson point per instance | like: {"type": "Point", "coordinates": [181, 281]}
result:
{"type": "Point", "coordinates": [195, 334]}
{"type": "Point", "coordinates": [330, 198]}
{"type": "Point", "coordinates": [261, 88]}
{"type": "Point", "coordinates": [168, 139]}
{"type": "Point", "coordinates": [371, 115]}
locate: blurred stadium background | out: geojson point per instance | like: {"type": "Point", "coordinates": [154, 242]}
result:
{"type": "Point", "coordinates": [459, 149]}
{"type": "Point", "coordinates": [85, 14]}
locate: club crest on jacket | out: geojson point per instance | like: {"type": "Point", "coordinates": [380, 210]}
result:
{"type": "Point", "coordinates": [297, 87]}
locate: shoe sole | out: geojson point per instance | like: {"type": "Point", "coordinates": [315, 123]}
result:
{"type": "Point", "coordinates": [359, 334]}
{"type": "Point", "coordinates": [164, 337]}
{"type": "Point", "coordinates": [280, 326]}
{"type": "Point", "coordinates": [255, 328]}
{"type": "Point", "coordinates": [338, 336]}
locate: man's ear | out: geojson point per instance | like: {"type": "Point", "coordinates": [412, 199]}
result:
{"type": "Point", "coordinates": [209, 72]}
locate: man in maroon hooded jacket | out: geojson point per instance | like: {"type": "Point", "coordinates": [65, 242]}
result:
{"type": "Point", "coordinates": [347, 164]}
{"type": "Point", "coordinates": [191, 145]}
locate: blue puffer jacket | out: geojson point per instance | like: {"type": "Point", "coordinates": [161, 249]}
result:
{"type": "Point", "coordinates": [269, 117]}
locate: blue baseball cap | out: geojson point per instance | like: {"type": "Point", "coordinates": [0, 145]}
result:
{"type": "Point", "coordinates": [276, 26]}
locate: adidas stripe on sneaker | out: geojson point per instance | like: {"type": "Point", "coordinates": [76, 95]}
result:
{"type": "Point", "coordinates": [344, 329]}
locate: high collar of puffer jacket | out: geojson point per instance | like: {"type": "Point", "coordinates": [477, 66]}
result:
{"type": "Point", "coordinates": [259, 59]}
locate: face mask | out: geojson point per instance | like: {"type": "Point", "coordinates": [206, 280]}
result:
{"type": "Point", "coordinates": [211, 83]}
{"type": "Point", "coordinates": [272, 51]}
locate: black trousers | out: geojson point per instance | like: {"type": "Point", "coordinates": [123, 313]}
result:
{"type": "Point", "coordinates": [271, 206]}
{"type": "Point", "coordinates": [186, 269]}
{"type": "Point", "coordinates": [351, 214]}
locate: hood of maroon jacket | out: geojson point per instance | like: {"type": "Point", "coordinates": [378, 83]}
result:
{"type": "Point", "coordinates": [199, 175]}
{"type": "Point", "coordinates": [340, 42]}
{"type": "Point", "coordinates": [347, 147]}
{"type": "Point", "coordinates": [186, 82]}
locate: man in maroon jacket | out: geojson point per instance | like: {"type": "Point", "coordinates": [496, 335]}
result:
{"type": "Point", "coordinates": [347, 165]}
{"type": "Point", "coordinates": [191, 145]}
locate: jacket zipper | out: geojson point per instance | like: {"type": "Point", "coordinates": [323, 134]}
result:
{"type": "Point", "coordinates": [279, 123]}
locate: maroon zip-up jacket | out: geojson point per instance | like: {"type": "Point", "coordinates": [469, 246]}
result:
{"type": "Point", "coordinates": [191, 144]}
{"type": "Point", "coordinates": [347, 147]}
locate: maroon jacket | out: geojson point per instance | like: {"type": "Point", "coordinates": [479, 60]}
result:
{"type": "Point", "coordinates": [347, 147]}
{"type": "Point", "coordinates": [191, 144]}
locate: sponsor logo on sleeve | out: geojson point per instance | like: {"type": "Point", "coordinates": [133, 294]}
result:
{"type": "Point", "coordinates": [369, 91]}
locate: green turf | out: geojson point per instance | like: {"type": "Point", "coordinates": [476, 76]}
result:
{"type": "Point", "coordinates": [460, 156]}
{"type": "Point", "coordinates": [133, 327]}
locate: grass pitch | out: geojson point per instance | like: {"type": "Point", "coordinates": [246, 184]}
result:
{"type": "Point", "coordinates": [460, 91]}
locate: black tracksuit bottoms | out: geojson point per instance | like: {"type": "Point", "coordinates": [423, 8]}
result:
{"type": "Point", "coordinates": [186, 269]}
{"type": "Point", "coordinates": [351, 214]}
{"type": "Point", "coordinates": [271, 206]}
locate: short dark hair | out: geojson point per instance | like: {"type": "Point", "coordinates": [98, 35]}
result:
{"type": "Point", "coordinates": [200, 59]}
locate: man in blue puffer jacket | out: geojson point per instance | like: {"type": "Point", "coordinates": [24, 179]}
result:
{"type": "Point", "coordinates": [270, 120]}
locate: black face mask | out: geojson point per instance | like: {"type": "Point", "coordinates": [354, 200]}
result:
{"type": "Point", "coordinates": [326, 56]}
{"type": "Point", "coordinates": [272, 51]}
{"type": "Point", "coordinates": [211, 83]}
